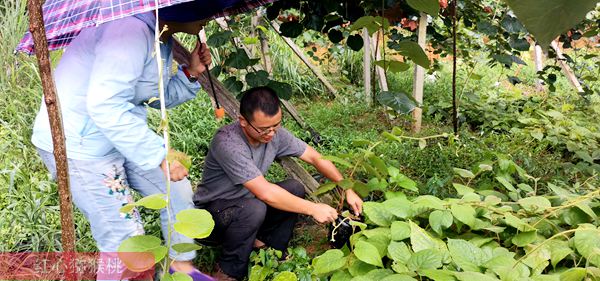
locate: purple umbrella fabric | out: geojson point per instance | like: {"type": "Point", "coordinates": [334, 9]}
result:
{"type": "Point", "coordinates": [64, 19]}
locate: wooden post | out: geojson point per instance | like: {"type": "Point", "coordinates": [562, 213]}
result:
{"type": "Point", "coordinates": [304, 59]}
{"type": "Point", "coordinates": [264, 49]}
{"type": "Point", "coordinates": [38, 32]}
{"type": "Point", "coordinates": [419, 76]}
{"type": "Point", "coordinates": [539, 65]}
{"type": "Point", "coordinates": [383, 86]}
{"type": "Point", "coordinates": [367, 66]}
{"type": "Point", "coordinates": [566, 68]}
{"type": "Point", "coordinates": [231, 106]}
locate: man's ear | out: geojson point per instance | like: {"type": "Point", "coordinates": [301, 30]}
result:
{"type": "Point", "coordinates": [242, 121]}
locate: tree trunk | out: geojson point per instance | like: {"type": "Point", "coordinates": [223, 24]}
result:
{"type": "Point", "coordinates": [36, 26]}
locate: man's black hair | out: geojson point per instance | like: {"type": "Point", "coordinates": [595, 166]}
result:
{"type": "Point", "coordinates": [260, 98]}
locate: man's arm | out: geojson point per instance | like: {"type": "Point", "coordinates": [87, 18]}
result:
{"type": "Point", "coordinates": [279, 198]}
{"type": "Point", "coordinates": [328, 169]}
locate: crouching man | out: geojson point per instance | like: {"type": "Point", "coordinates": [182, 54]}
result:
{"type": "Point", "coordinates": [248, 210]}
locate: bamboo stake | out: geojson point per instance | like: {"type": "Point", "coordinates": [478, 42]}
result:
{"type": "Point", "coordinates": [566, 68]}
{"type": "Point", "coordinates": [383, 85]}
{"type": "Point", "coordinates": [38, 32]}
{"type": "Point", "coordinates": [539, 65]}
{"type": "Point", "coordinates": [367, 66]}
{"type": "Point", "coordinates": [419, 76]}
{"type": "Point", "coordinates": [304, 59]}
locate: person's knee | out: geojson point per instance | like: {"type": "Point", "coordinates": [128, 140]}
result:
{"type": "Point", "coordinates": [253, 211]}
{"type": "Point", "coordinates": [294, 187]}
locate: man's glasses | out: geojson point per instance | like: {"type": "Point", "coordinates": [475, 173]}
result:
{"type": "Point", "coordinates": [265, 131]}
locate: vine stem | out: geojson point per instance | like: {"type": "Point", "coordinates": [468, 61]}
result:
{"type": "Point", "coordinates": [574, 202]}
{"type": "Point", "coordinates": [454, 103]}
{"type": "Point", "coordinates": [165, 128]}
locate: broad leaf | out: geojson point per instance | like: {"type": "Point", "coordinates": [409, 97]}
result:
{"type": "Point", "coordinates": [535, 204]}
{"type": "Point", "coordinates": [185, 247]}
{"type": "Point", "coordinates": [285, 276]}
{"type": "Point", "coordinates": [432, 7]}
{"type": "Point", "coordinates": [573, 274]}
{"type": "Point", "coordinates": [283, 90]}
{"type": "Point", "coordinates": [154, 201]}
{"type": "Point", "coordinates": [377, 213]}
{"type": "Point", "coordinates": [194, 223]}
{"type": "Point", "coordinates": [399, 252]}
{"type": "Point", "coordinates": [140, 253]}
{"type": "Point", "coordinates": [466, 255]}
{"type": "Point", "coordinates": [325, 188]}
{"type": "Point", "coordinates": [440, 220]}
{"type": "Point", "coordinates": [367, 253]}
{"type": "Point", "coordinates": [524, 238]}
{"type": "Point", "coordinates": [464, 173]}
{"type": "Point", "coordinates": [291, 29]}
{"type": "Point", "coordinates": [425, 259]}
{"type": "Point", "coordinates": [257, 79]}
{"type": "Point", "coordinates": [464, 213]}
{"type": "Point", "coordinates": [551, 18]}
{"type": "Point", "coordinates": [219, 39]}
{"type": "Point", "coordinates": [400, 230]}
{"type": "Point", "coordinates": [587, 243]}
{"type": "Point", "coordinates": [401, 102]}
{"type": "Point", "coordinates": [413, 51]}
{"type": "Point", "coordinates": [392, 65]}
{"type": "Point", "coordinates": [329, 261]}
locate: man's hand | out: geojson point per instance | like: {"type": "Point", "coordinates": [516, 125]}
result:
{"type": "Point", "coordinates": [323, 213]}
{"type": "Point", "coordinates": [354, 201]}
{"type": "Point", "coordinates": [176, 170]}
{"type": "Point", "coordinates": [199, 59]}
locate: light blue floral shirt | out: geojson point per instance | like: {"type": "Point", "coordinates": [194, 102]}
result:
{"type": "Point", "coordinates": [104, 81]}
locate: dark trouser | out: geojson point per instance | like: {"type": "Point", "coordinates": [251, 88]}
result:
{"type": "Point", "coordinates": [238, 222]}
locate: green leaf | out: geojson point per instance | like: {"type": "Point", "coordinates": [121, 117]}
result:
{"type": "Point", "coordinates": [464, 213]}
{"type": "Point", "coordinates": [285, 276]}
{"type": "Point", "coordinates": [399, 207]}
{"type": "Point", "coordinates": [140, 253]}
{"type": "Point", "coordinates": [358, 267]}
{"type": "Point", "coordinates": [548, 20]}
{"type": "Point", "coordinates": [401, 102]}
{"type": "Point", "coordinates": [329, 261]}
{"type": "Point", "coordinates": [186, 247]}
{"type": "Point", "coordinates": [558, 250]}
{"type": "Point", "coordinates": [438, 275]}
{"type": "Point", "coordinates": [587, 243]}
{"type": "Point", "coordinates": [257, 79]}
{"type": "Point", "coordinates": [238, 59]}
{"type": "Point", "coordinates": [361, 188]}
{"type": "Point", "coordinates": [377, 213]}
{"type": "Point", "coordinates": [324, 188]}
{"type": "Point", "coordinates": [392, 65]}
{"type": "Point", "coordinates": [420, 239]}
{"type": "Point", "coordinates": [372, 24]}
{"type": "Point", "coordinates": [399, 252]}
{"type": "Point", "coordinates": [398, 277]}
{"type": "Point", "coordinates": [154, 201]}
{"type": "Point", "coordinates": [535, 204]}
{"type": "Point", "coordinates": [233, 85]}
{"type": "Point", "coordinates": [376, 274]}
{"type": "Point", "coordinates": [367, 253]}
{"type": "Point", "coordinates": [283, 90]}
{"type": "Point", "coordinates": [180, 276]}
{"type": "Point", "coordinates": [466, 255]}
{"type": "Point", "coordinates": [291, 29]}
{"type": "Point", "coordinates": [400, 230]}
{"type": "Point", "coordinates": [258, 273]}
{"type": "Point", "coordinates": [524, 238]}
{"type": "Point", "coordinates": [379, 164]}
{"type": "Point", "coordinates": [573, 274]}
{"type": "Point", "coordinates": [180, 157]}
{"type": "Point", "coordinates": [194, 223]}
{"type": "Point", "coordinates": [440, 220]}
{"type": "Point", "coordinates": [432, 7]}
{"type": "Point", "coordinates": [462, 189]}
{"type": "Point", "coordinates": [464, 173]}
{"type": "Point", "coordinates": [425, 259]}
{"type": "Point", "coordinates": [337, 160]}
{"type": "Point", "coordinates": [470, 276]}
{"type": "Point", "coordinates": [219, 39]}
{"type": "Point", "coordinates": [517, 223]}
{"type": "Point", "coordinates": [506, 184]}
{"type": "Point", "coordinates": [250, 40]}
{"type": "Point", "coordinates": [413, 51]}
{"type": "Point", "coordinates": [341, 275]}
